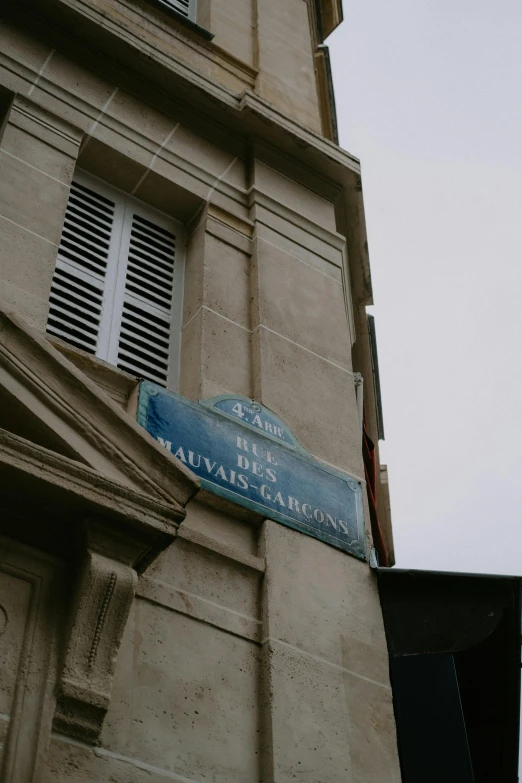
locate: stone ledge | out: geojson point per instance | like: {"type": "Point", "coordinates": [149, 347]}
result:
{"type": "Point", "coordinates": [271, 205]}
{"type": "Point", "coordinates": [229, 551]}
{"type": "Point", "coordinates": [50, 475]}
{"type": "Point", "coordinates": [90, 426]}
{"type": "Point", "coordinates": [188, 23]}
{"type": "Point", "coordinates": [118, 384]}
{"type": "Point", "coordinates": [200, 99]}
{"type": "Point", "coordinates": [199, 608]}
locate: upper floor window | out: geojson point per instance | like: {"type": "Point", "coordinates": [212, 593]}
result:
{"type": "Point", "coordinates": [117, 287]}
{"type": "Point", "coordinates": [185, 7]}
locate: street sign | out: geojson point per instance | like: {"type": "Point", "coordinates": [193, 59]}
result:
{"type": "Point", "coordinates": [244, 453]}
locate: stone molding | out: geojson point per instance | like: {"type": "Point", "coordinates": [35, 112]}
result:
{"type": "Point", "coordinates": [92, 487]}
{"type": "Point", "coordinates": [50, 477]}
{"type": "Point", "coordinates": [117, 383]}
{"type": "Point", "coordinates": [92, 426]}
{"type": "Point", "coordinates": [257, 198]}
{"type": "Point", "coordinates": [201, 609]}
{"type": "Point", "coordinates": [235, 231]}
{"type": "Point", "coordinates": [228, 551]}
{"type": "Point", "coordinates": [44, 125]}
{"type": "Point", "coordinates": [242, 114]}
{"type": "Point", "coordinates": [219, 112]}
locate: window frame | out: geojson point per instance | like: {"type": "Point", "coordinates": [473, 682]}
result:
{"type": "Point", "coordinates": [113, 291]}
{"type": "Point", "coordinates": [191, 22]}
{"type": "Point", "coordinates": [193, 9]}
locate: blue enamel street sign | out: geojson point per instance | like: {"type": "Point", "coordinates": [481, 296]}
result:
{"type": "Point", "coordinates": [244, 453]}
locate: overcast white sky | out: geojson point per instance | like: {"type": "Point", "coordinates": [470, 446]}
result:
{"type": "Point", "coordinates": [429, 98]}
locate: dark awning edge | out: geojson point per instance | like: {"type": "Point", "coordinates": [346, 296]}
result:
{"type": "Point", "coordinates": [472, 621]}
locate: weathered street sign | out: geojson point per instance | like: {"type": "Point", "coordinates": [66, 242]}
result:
{"type": "Point", "coordinates": [244, 453]}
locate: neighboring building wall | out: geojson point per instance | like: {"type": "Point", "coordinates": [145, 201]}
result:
{"type": "Point", "coordinates": [252, 653]}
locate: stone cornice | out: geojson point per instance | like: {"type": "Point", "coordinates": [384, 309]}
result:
{"type": "Point", "coordinates": [331, 15]}
{"type": "Point", "coordinates": [95, 26]}
{"type": "Point", "coordinates": [154, 73]}
{"type": "Point", "coordinates": [80, 489]}
{"type": "Point", "coordinates": [334, 240]}
{"type": "Point", "coordinates": [93, 427]}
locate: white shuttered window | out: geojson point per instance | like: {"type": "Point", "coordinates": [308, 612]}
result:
{"type": "Point", "coordinates": [117, 287]}
{"type": "Point", "coordinates": [185, 7]}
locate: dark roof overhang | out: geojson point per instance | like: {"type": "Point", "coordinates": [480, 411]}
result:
{"type": "Point", "coordinates": [454, 645]}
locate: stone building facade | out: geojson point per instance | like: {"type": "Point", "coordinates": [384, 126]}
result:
{"type": "Point", "coordinates": [174, 206]}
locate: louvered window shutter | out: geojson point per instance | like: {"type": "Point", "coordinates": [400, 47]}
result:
{"type": "Point", "coordinates": [116, 290]}
{"type": "Point", "coordinates": [141, 339]}
{"type": "Point", "coordinates": [77, 291]}
{"type": "Point", "coordinates": [185, 7]}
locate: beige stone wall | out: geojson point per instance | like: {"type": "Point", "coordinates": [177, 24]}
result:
{"type": "Point", "coordinates": [262, 46]}
{"type": "Point", "coordinates": [30, 587]}
{"type": "Point", "coordinates": [38, 153]}
{"type": "Point", "coordinates": [285, 44]}
{"type": "Point", "coordinates": [252, 653]}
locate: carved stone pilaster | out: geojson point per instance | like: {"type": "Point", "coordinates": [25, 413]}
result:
{"type": "Point", "coordinates": [104, 594]}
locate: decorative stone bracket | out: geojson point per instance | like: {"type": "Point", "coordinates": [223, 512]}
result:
{"type": "Point", "coordinates": [97, 492]}
{"type": "Point", "coordinates": [110, 533]}
{"type": "Point", "coordinates": [105, 591]}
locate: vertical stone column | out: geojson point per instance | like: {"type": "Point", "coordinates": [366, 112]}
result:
{"type": "Point", "coordinates": [216, 336]}
{"type": "Point", "coordinates": [300, 331]}
{"type": "Point", "coordinates": [285, 60]}
{"type": "Point", "coordinates": [325, 696]}
{"type": "Point", "coordinates": [38, 153]}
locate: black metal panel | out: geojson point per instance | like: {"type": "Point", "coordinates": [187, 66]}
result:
{"type": "Point", "coordinates": [430, 612]}
{"type": "Point", "coordinates": [433, 745]}
{"type": "Point", "coordinates": [489, 683]}
{"type": "Point", "coordinates": [472, 621]}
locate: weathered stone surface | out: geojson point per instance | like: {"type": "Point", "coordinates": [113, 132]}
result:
{"type": "Point", "coordinates": [26, 290]}
{"type": "Point", "coordinates": [372, 731]}
{"type": "Point", "coordinates": [105, 591]}
{"type": "Point", "coordinates": [306, 718]}
{"type": "Point", "coordinates": [187, 566]}
{"type": "Point", "coordinates": [224, 357]}
{"type": "Point", "coordinates": [31, 584]}
{"type": "Point", "coordinates": [218, 277]}
{"type": "Point", "coordinates": [336, 615]}
{"type": "Point", "coordinates": [286, 75]}
{"type": "Point", "coordinates": [301, 303]}
{"type": "Point", "coordinates": [227, 529]}
{"type": "Point", "coordinates": [37, 156]}
{"type": "Point", "coordinates": [251, 653]}
{"type": "Point", "coordinates": [194, 699]}
{"type": "Point", "coordinates": [315, 397]}
{"type": "Point", "coordinates": [14, 608]}
{"type": "Point", "coordinates": [291, 194]}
